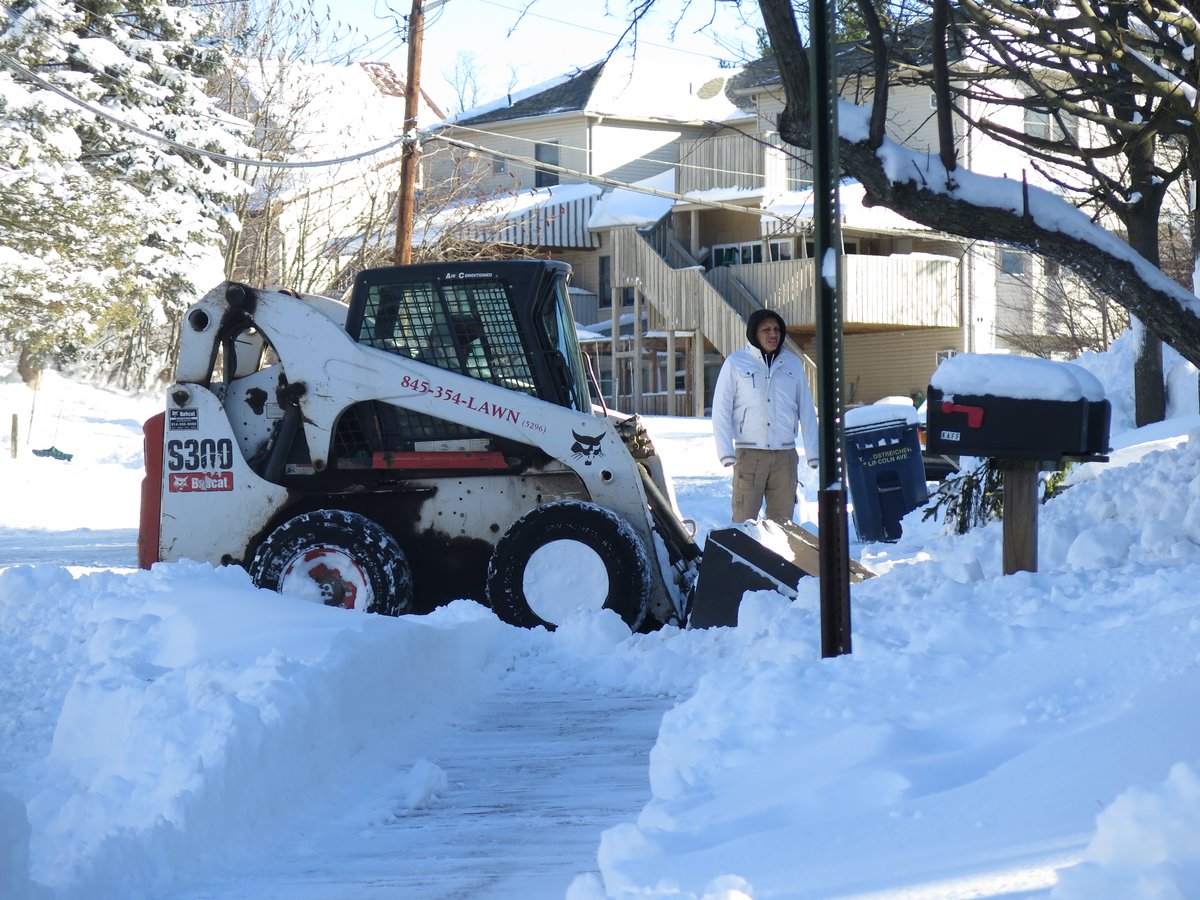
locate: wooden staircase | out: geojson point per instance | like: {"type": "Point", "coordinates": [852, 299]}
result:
{"type": "Point", "coordinates": [683, 299]}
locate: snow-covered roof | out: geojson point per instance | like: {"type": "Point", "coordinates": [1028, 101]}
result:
{"type": "Point", "coordinates": [347, 107]}
{"type": "Point", "coordinates": [642, 83]}
{"type": "Point", "coordinates": [852, 208]}
{"type": "Point", "coordinates": [343, 111]}
{"type": "Point", "coordinates": [554, 216]}
{"type": "Point", "coordinates": [622, 206]}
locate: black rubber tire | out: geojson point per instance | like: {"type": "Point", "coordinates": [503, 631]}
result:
{"type": "Point", "coordinates": [619, 547]}
{"type": "Point", "coordinates": [373, 550]}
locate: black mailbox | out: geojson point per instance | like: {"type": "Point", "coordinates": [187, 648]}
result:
{"type": "Point", "coordinates": [1025, 415]}
{"type": "Point", "coordinates": [1011, 428]}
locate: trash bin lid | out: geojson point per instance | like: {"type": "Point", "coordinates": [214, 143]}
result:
{"type": "Point", "coordinates": [879, 414]}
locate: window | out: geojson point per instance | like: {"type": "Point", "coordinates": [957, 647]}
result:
{"type": "Point", "coordinates": [940, 356]}
{"type": "Point", "coordinates": [847, 247]}
{"type": "Point", "coordinates": [604, 287]}
{"type": "Point", "coordinates": [499, 165]}
{"type": "Point", "coordinates": [1041, 124]}
{"type": "Point", "coordinates": [781, 250]}
{"type": "Point", "coordinates": [1012, 262]}
{"type": "Point", "coordinates": [738, 254]}
{"type": "Point", "coordinates": [548, 154]}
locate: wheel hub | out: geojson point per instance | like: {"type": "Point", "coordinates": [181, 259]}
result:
{"type": "Point", "coordinates": [339, 579]}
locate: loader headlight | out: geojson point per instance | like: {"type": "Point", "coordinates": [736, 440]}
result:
{"type": "Point", "coordinates": [199, 320]}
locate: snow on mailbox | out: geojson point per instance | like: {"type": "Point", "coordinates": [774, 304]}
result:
{"type": "Point", "coordinates": [1026, 415]}
{"type": "Point", "coordinates": [1016, 407]}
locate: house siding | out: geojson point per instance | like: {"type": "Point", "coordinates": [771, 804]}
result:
{"type": "Point", "coordinates": [911, 120]}
{"type": "Point", "coordinates": [895, 363]}
{"type": "Point", "coordinates": [720, 161]}
{"type": "Point", "coordinates": [631, 153]}
{"type": "Point", "coordinates": [518, 139]}
{"type": "Point", "coordinates": [585, 273]}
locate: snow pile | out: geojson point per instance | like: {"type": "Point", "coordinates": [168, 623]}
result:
{"type": "Point", "coordinates": [978, 715]}
{"type": "Point", "coordinates": [1022, 377]}
{"type": "Point", "coordinates": [1028, 734]}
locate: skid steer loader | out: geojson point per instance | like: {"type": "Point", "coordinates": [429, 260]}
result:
{"type": "Point", "coordinates": [431, 439]}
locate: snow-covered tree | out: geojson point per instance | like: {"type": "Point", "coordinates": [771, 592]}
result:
{"type": "Point", "coordinates": [936, 191]}
{"type": "Point", "coordinates": [111, 225]}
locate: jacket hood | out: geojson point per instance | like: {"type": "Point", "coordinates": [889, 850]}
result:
{"type": "Point", "coordinates": [756, 319]}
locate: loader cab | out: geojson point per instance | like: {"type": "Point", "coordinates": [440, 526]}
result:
{"type": "Point", "coordinates": [506, 322]}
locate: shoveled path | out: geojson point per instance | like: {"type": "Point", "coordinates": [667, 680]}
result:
{"type": "Point", "coordinates": [534, 776]}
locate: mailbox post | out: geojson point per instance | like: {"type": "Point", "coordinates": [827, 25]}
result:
{"type": "Point", "coordinates": [1025, 414]}
{"type": "Point", "coordinates": [1020, 514]}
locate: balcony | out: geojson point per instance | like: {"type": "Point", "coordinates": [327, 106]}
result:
{"type": "Point", "coordinates": [743, 162]}
{"type": "Point", "coordinates": [897, 291]}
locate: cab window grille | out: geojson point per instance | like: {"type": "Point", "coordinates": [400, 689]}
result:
{"type": "Point", "coordinates": [402, 428]}
{"type": "Point", "coordinates": [467, 328]}
{"type": "Point", "coordinates": [371, 427]}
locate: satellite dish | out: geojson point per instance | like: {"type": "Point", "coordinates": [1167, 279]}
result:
{"type": "Point", "coordinates": [710, 88]}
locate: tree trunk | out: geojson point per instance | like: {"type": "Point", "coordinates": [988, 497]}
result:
{"type": "Point", "coordinates": [1141, 224]}
{"type": "Point", "coordinates": [1149, 388]}
{"type": "Point", "coordinates": [1194, 211]}
{"type": "Point", "coordinates": [29, 367]}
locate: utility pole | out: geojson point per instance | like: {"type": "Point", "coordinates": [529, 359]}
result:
{"type": "Point", "coordinates": [831, 496]}
{"type": "Point", "coordinates": [411, 152]}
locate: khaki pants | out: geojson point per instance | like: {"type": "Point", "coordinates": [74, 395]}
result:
{"type": "Point", "coordinates": [764, 474]}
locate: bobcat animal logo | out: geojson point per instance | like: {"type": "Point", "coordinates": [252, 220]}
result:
{"type": "Point", "coordinates": [587, 447]}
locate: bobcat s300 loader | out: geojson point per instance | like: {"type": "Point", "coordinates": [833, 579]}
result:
{"type": "Point", "coordinates": [421, 443]}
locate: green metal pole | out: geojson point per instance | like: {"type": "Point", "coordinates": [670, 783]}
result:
{"type": "Point", "coordinates": [831, 495]}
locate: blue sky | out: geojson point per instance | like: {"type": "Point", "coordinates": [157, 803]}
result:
{"type": "Point", "coordinates": [547, 39]}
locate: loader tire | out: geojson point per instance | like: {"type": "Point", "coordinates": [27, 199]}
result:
{"type": "Point", "coordinates": [615, 574]}
{"type": "Point", "coordinates": [342, 557]}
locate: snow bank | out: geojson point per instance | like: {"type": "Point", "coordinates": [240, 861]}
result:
{"type": "Point", "coordinates": [977, 711]}
{"type": "Point", "coordinates": [168, 699]}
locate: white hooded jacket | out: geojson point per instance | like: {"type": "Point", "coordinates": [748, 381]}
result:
{"type": "Point", "coordinates": [759, 406]}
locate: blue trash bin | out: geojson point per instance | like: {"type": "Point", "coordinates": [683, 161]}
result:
{"type": "Point", "coordinates": [884, 468]}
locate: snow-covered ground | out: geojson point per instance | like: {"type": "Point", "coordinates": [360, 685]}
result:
{"type": "Point", "coordinates": [177, 733]}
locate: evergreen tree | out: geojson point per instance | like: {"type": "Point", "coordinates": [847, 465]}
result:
{"type": "Point", "coordinates": [106, 234]}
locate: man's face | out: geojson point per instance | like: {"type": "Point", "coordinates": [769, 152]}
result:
{"type": "Point", "coordinates": [769, 335]}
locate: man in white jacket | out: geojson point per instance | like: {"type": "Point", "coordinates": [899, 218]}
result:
{"type": "Point", "coordinates": [761, 397]}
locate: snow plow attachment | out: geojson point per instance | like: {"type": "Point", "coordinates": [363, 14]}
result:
{"type": "Point", "coordinates": [754, 556]}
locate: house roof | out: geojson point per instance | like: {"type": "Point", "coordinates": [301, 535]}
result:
{"type": "Point", "coordinates": [647, 84]}
{"type": "Point", "coordinates": [567, 93]}
{"type": "Point", "coordinates": [625, 206]}
{"type": "Point", "coordinates": [913, 47]}
{"type": "Point", "coordinates": [855, 213]}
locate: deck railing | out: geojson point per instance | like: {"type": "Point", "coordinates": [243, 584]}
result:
{"type": "Point", "coordinates": [898, 291]}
